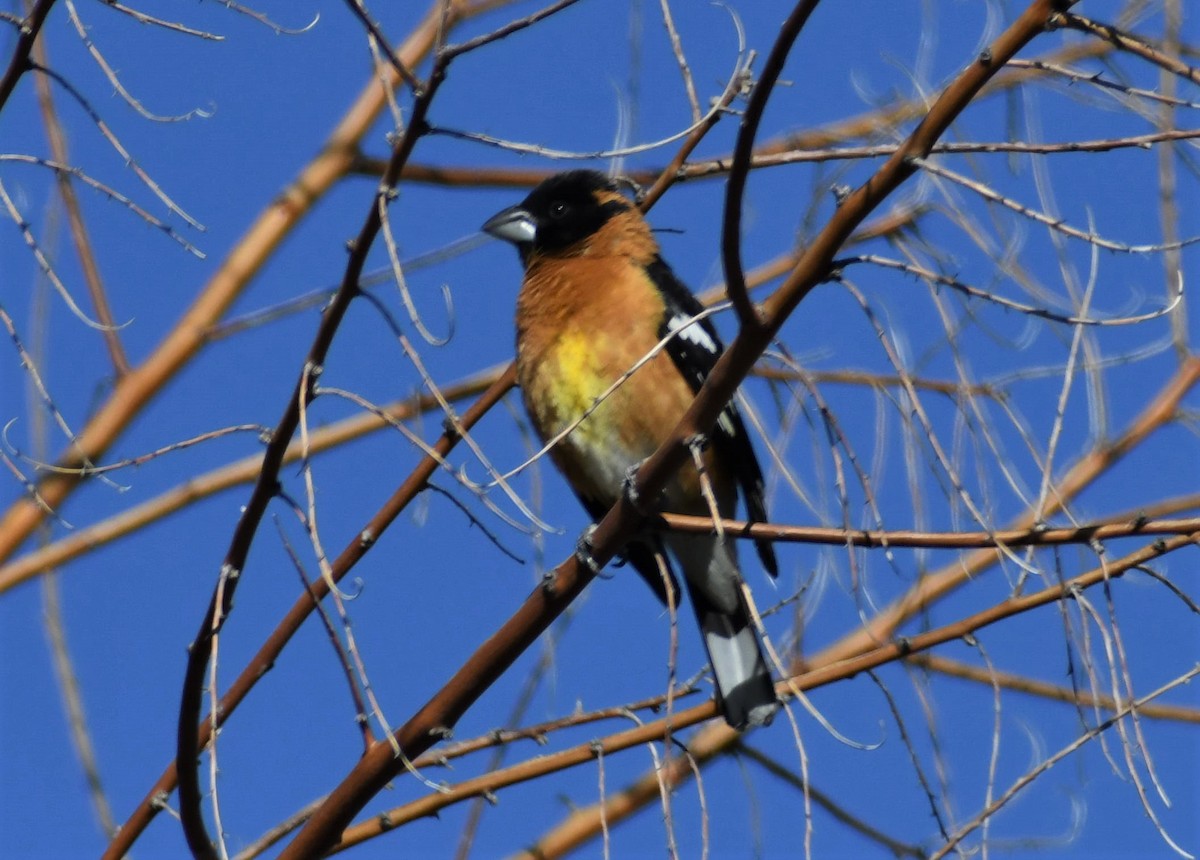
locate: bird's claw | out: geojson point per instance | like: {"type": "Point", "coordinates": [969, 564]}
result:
{"type": "Point", "coordinates": [630, 491]}
{"type": "Point", "coordinates": [583, 550]}
{"type": "Point", "coordinates": [696, 442]}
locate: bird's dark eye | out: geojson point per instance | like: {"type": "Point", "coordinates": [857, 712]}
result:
{"type": "Point", "coordinates": [558, 209]}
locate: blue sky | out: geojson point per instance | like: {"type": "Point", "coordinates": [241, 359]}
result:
{"type": "Point", "coordinates": [434, 587]}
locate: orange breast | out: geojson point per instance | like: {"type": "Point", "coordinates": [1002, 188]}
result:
{"type": "Point", "coordinates": [584, 326]}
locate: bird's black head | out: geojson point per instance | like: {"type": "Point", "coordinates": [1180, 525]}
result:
{"type": "Point", "coordinates": [562, 211]}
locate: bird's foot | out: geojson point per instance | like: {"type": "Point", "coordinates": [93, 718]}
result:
{"type": "Point", "coordinates": [635, 499]}
{"type": "Point", "coordinates": [583, 550]}
{"type": "Point", "coordinates": [696, 442]}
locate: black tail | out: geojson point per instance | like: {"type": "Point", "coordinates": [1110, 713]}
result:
{"type": "Point", "coordinates": [745, 691]}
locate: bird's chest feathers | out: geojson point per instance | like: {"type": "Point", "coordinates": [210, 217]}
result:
{"type": "Point", "coordinates": [567, 379]}
{"type": "Point", "coordinates": [580, 375]}
{"type": "Point", "coordinates": [582, 327]}
{"type": "Point", "coordinates": [585, 331]}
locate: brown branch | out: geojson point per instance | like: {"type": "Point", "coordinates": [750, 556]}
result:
{"type": "Point", "coordinates": [735, 186]}
{"type": "Point", "coordinates": [451, 176]}
{"type": "Point", "coordinates": [876, 380]}
{"type": "Point", "coordinates": [1033, 536]}
{"type": "Point", "coordinates": [267, 485]}
{"type": "Point", "coordinates": [718, 737]}
{"type": "Point", "coordinates": [719, 166]}
{"type": "Point", "coordinates": [79, 231]}
{"type": "Point", "coordinates": [451, 51]}
{"type": "Point", "coordinates": [672, 172]}
{"type": "Point", "coordinates": [859, 825]}
{"type": "Point", "coordinates": [1034, 687]}
{"type": "Point", "coordinates": [441, 757]}
{"type": "Point", "coordinates": [494, 656]}
{"type": "Point", "coordinates": [262, 661]}
{"type": "Point", "coordinates": [18, 64]}
{"type": "Point", "coordinates": [376, 33]}
{"type": "Point", "coordinates": [183, 342]}
{"type": "Point", "coordinates": [84, 540]}
{"type": "Point", "coordinates": [1097, 461]}
{"type": "Point", "coordinates": [931, 588]}
{"type": "Point", "coordinates": [1131, 44]}
{"type": "Point", "coordinates": [867, 124]}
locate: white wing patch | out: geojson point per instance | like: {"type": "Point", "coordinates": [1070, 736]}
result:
{"type": "Point", "coordinates": [692, 331]}
{"type": "Point", "coordinates": [684, 326]}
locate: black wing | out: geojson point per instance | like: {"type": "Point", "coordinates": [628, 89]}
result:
{"type": "Point", "coordinates": [695, 353]}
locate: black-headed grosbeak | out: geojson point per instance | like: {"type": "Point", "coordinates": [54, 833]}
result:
{"type": "Point", "coordinates": [596, 299]}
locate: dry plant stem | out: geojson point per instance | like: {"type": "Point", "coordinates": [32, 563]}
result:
{"type": "Point", "coordinates": [375, 769]}
{"type": "Point", "coordinates": [79, 231]}
{"type": "Point", "coordinates": [870, 123]}
{"type": "Point", "coordinates": [669, 174]}
{"type": "Point", "coordinates": [864, 125]}
{"type": "Point", "coordinates": [442, 711]}
{"type": "Point", "coordinates": [875, 380]}
{"type": "Point", "coordinates": [864, 828]}
{"type": "Point", "coordinates": [442, 756]}
{"type": "Point", "coordinates": [267, 486]}
{"type": "Point", "coordinates": [19, 63]}
{"type": "Point", "coordinates": [735, 187]}
{"type": "Point", "coordinates": [1133, 45]}
{"type": "Point", "coordinates": [303, 607]}
{"type": "Point", "coordinates": [54, 618]}
{"type": "Point", "coordinates": [84, 540]}
{"type": "Point", "coordinates": [718, 738]}
{"type": "Point", "coordinates": [929, 540]}
{"type": "Point", "coordinates": [585, 824]}
{"type": "Point", "coordinates": [1130, 709]}
{"type": "Point", "coordinates": [181, 344]}
{"type": "Point", "coordinates": [806, 273]}
{"type": "Point", "coordinates": [935, 586]}
{"type": "Point", "coordinates": [1034, 687]}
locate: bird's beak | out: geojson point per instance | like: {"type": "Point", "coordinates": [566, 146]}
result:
{"type": "Point", "coordinates": [514, 225]}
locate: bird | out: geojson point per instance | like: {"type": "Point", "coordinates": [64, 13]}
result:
{"type": "Point", "coordinates": [595, 300]}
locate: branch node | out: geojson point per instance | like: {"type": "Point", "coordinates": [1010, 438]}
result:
{"type": "Point", "coordinates": [442, 733]}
